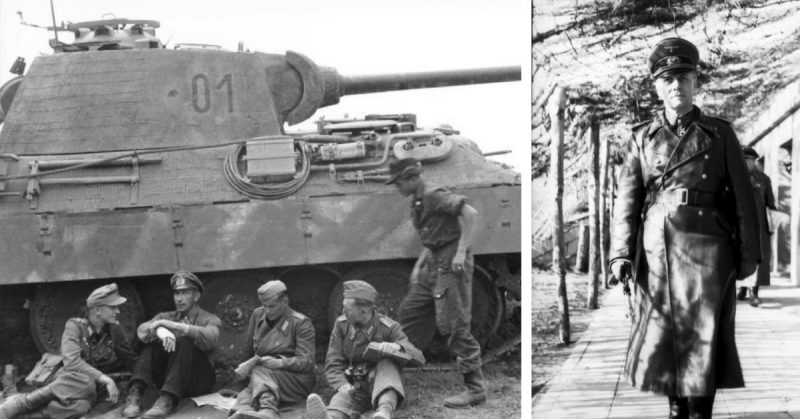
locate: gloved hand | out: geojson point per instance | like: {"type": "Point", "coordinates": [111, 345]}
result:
{"type": "Point", "coordinates": [167, 338]}
{"type": "Point", "coordinates": [620, 272]}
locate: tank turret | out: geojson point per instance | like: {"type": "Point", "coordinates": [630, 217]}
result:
{"type": "Point", "coordinates": [143, 95]}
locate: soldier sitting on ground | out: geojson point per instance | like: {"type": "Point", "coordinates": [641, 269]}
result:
{"type": "Point", "coordinates": [280, 359]}
{"type": "Point", "coordinates": [362, 382]}
{"type": "Point", "coordinates": [91, 346]}
{"type": "Point", "coordinates": [176, 354]}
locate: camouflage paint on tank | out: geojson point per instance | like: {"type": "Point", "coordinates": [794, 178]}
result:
{"type": "Point", "coordinates": [320, 230]}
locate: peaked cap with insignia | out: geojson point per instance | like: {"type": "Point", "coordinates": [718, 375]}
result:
{"type": "Point", "coordinates": [673, 54]}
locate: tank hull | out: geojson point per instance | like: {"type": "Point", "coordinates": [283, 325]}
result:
{"type": "Point", "coordinates": [51, 247]}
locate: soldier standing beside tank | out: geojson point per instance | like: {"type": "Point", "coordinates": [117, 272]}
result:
{"type": "Point", "coordinates": [280, 361]}
{"type": "Point", "coordinates": [445, 223]}
{"type": "Point", "coordinates": [762, 191]}
{"type": "Point", "coordinates": [90, 347]}
{"type": "Point", "coordinates": [684, 226]}
{"type": "Point", "coordinates": [176, 353]}
{"type": "Point", "coordinates": [361, 384]}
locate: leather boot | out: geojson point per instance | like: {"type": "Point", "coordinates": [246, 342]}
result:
{"type": "Point", "coordinates": [742, 295]}
{"type": "Point", "coordinates": [25, 403]}
{"type": "Point", "coordinates": [387, 404]}
{"type": "Point", "coordinates": [268, 406]}
{"type": "Point", "coordinates": [700, 407]}
{"type": "Point", "coordinates": [315, 407]}
{"type": "Point", "coordinates": [163, 406]}
{"type": "Point", "coordinates": [678, 408]}
{"type": "Point", "coordinates": [474, 395]}
{"type": "Point", "coordinates": [754, 301]}
{"type": "Point", "coordinates": [133, 404]}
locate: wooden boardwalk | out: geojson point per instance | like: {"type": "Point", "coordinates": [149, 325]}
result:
{"type": "Point", "coordinates": [590, 383]}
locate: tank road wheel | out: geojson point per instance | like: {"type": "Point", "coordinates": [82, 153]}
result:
{"type": "Point", "coordinates": [389, 278]}
{"type": "Point", "coordinates": [56, 302]}
{"type": "Point", "coordinates": [488, 306]}
{"type": "Point", "coordinates": [232, 296]}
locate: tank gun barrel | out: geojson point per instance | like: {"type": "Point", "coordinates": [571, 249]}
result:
{"type": "Point", "coordinates": [356, 85]}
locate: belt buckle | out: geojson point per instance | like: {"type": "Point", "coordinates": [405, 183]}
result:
{"type": "Point", "coordinates": [684, 196]}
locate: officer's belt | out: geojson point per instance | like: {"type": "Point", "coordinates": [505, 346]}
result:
{"type": "Point", "coordinates": [684, 196]}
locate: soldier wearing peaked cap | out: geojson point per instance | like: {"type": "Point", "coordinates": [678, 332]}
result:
{"type": "Point", "coordinates": [91, 346]}
{"type": "Point", "coordinates": [279, 361]}
{"type": "Point", "coordinates": [176, 352]}
{"type": "Point", "coordinates": [765, 201]}
{"type": "Point", "coordinates": [445, 223]}
{"type": "Point", "coordinates": [683, 229]}
{"type": "Point", "coordinates": [361, 383]}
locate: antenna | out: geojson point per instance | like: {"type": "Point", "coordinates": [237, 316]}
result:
{"type": "Point", "coordinates": [53, 13]}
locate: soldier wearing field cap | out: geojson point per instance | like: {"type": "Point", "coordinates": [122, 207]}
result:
{"type": "Point", "coordinates": [362, 382]}
{"type": "Point", "coordinates": [176, 352]}
{"type": "Point", "coordinates": [684, 229]}
{"type": "Point", "coordinates": [443, 295]}
{"type": "Point", "coordinates": [279, 356]}
{"type": "Point", "coordinates": [91, 346]}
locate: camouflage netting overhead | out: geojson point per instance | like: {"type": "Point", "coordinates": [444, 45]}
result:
{"type": "Point", "coordinates": [597, 51]}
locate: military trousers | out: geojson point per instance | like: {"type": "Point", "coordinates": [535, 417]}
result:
{"type": "Point", "coordinates": [287, 386]}
{"type": "Point", "coordinates": [74, 393]}
{"type": "Point", "coordinates": [446, 296]}
{"type": "Point", "coordinates": [184, 372]}
{"type": "Point", "coordinates": [364, 397]}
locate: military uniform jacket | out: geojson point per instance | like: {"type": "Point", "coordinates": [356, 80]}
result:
{"type": "Point", "coordinates": [684, 256]}
{"type": "Point", "coordinates": [92, 352]}
{"type": "Point", "coordinates": [765, 199]}
{"type": "Point", "coordinates": [203, 328]}
{"type": "Point", "coordinates": [348, 343]}
{"type": "Point", "coordinates": [434, 212]}
{"type": "Point", "coordinates": [292, 339]}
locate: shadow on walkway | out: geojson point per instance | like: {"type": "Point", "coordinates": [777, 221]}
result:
{"type": "Point", "coordinates": [590, 383]}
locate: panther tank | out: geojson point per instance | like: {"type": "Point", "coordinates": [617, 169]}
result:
{"type": "Point", "coordinates": [123, 161]}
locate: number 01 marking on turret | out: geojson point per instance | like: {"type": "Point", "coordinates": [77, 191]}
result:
{"type": "Point", "coordinates": [201, 95]}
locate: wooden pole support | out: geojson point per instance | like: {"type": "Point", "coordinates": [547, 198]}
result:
{"type": "Point", "coordinates": [555, 107]}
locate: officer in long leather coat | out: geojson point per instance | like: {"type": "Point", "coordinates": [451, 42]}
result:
{"type": "Point", "coordinates": [684, 226]}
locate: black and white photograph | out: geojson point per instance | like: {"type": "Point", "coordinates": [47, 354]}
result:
{"type": "Point", "coordinates": [264, 209]}
{"type": "Point", "coordinates": [666, 277]}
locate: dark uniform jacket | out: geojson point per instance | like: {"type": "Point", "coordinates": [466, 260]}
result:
{"type": "Point", "coordinates": [92, 352]}
{"type": "Point", "coordinates": [764, 198]}
{"type": "Point", "coordinates": [435, 213]}
{"type": "Point", "coordinates": [203, 327]}
{"type": "Point", "coordinates": [685, 256]}
{"type": "Point", "coordinates": [292, 338]}
{"type": "Point", "coordinates": [347, 345]}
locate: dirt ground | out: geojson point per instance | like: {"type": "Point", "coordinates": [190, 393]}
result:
{"type": "Point", "coordinates": [425, 392]}
{"type": "Point", "coordinates": [547, 352]}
